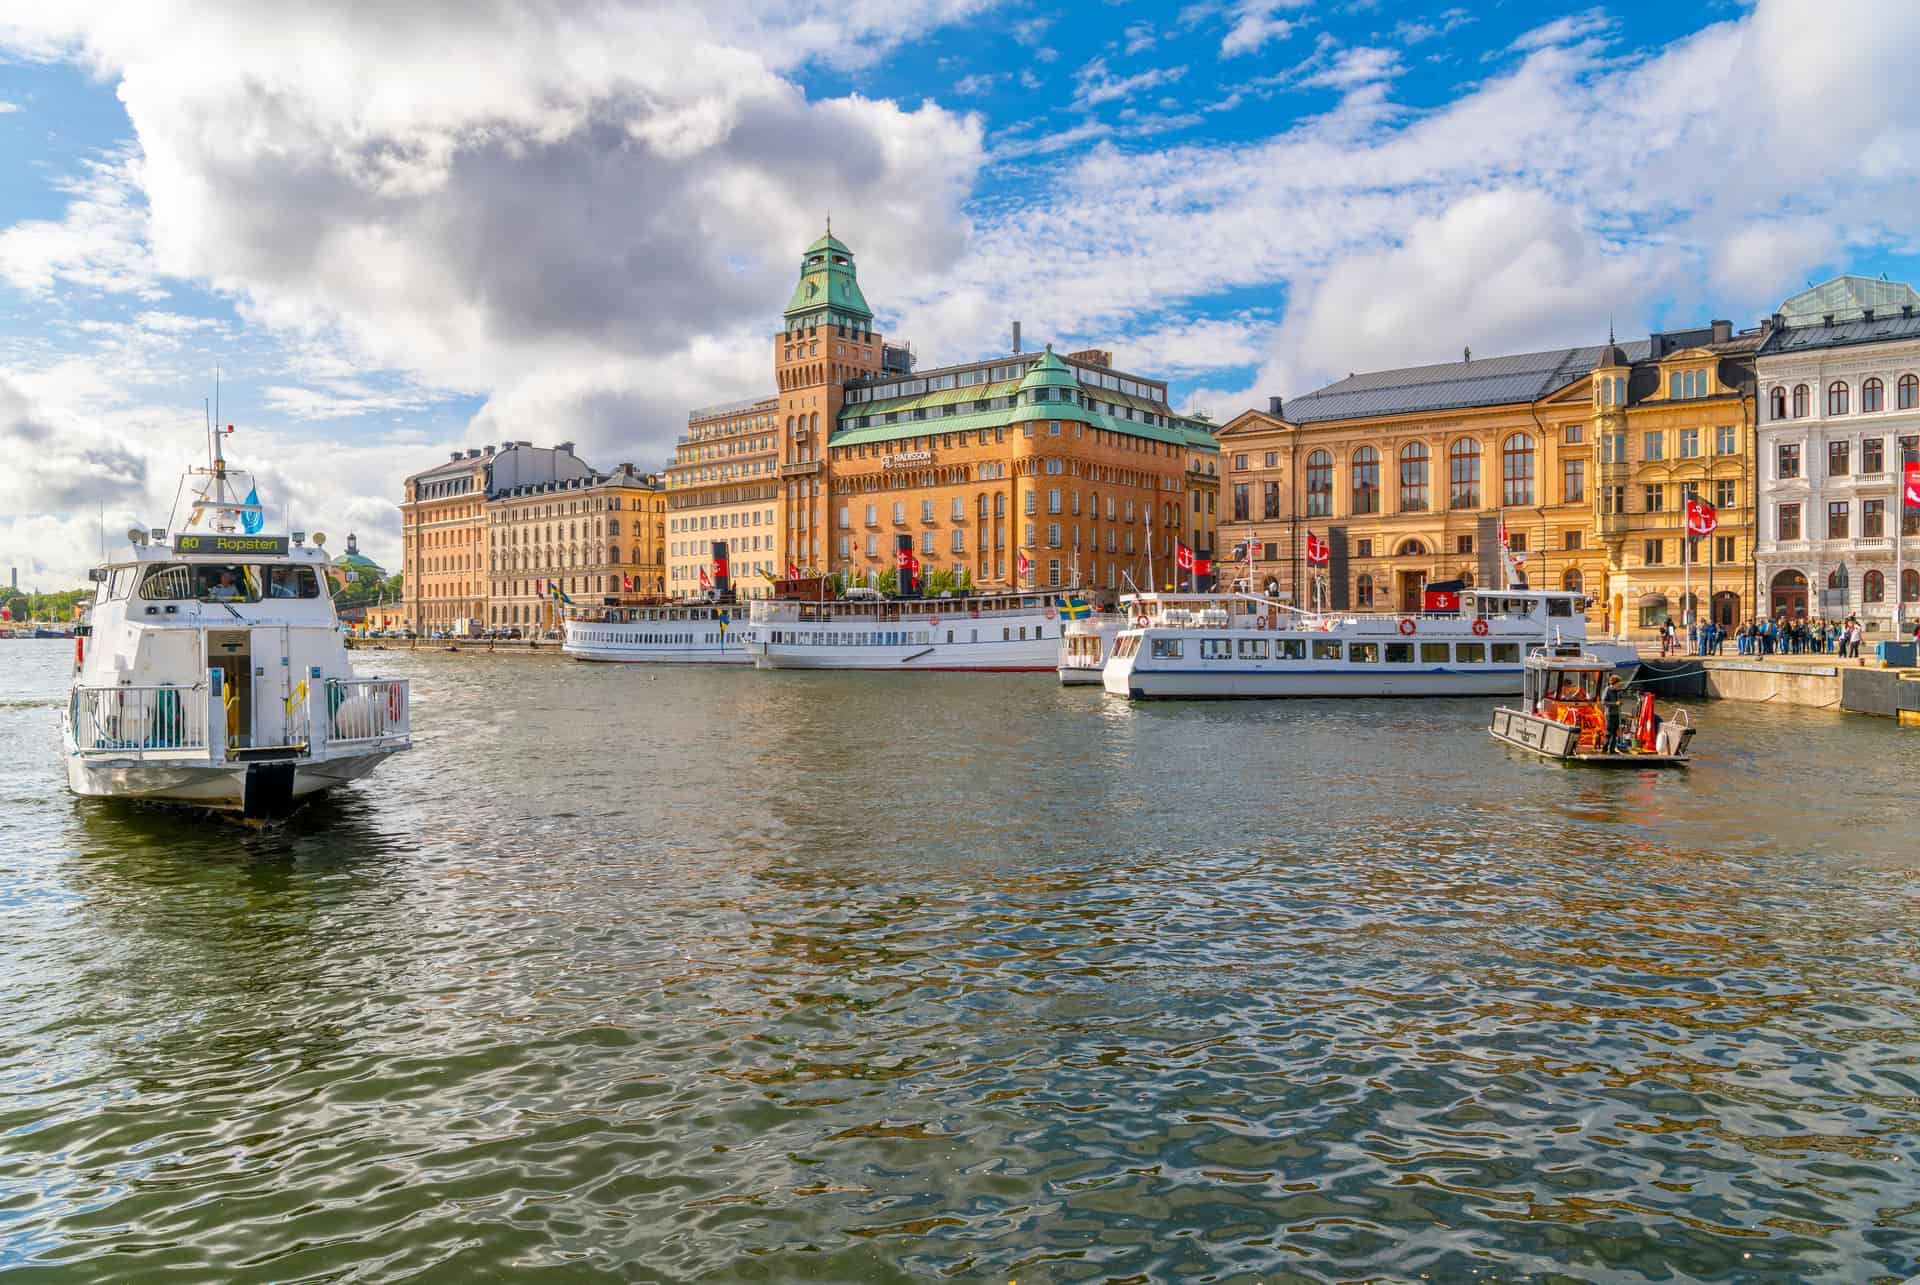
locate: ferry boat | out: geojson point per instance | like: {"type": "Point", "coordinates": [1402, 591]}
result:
{"type": "Point", "coordinates": [1087, 644]}
{"type": "Point", "coordinates": [212, 670]}
{"type": "Point", "coordinates": [685, 633]}
{"type": "Point", "coordinates": [1563, 716]}
{"type": "Point", "coordinates": [1016, 632]}
{"type": "Point", "coordinates": [1188, 646]}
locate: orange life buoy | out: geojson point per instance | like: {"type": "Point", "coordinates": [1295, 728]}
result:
{"type": "Point", "coordinates": [1406, 625]}
{"type": "Point", "coordinates": [79, 650]}
{"type": "Point", "coordinates": [393, 701]}
{"type": "Point", "coordinates": [1140, 621]}
{"type": "Point", "coordinates": [1479, 626]}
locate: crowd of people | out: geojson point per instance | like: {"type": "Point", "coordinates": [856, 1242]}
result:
{"type": "Point", "coordinates": [1781, 636]}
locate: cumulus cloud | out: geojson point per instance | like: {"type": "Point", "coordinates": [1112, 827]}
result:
{"type": "Point", "coordinates": [1256, 23]}
{"type": "Point", "coordinates": [1094, 84]}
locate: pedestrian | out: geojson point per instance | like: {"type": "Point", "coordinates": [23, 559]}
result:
{"type": "Point", "coordinates": [1693, 637]}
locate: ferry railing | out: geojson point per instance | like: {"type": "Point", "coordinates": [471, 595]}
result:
{"type": "Point", "coordinates": [135, 721]}
{"type": "Point", "coordinates": [368, 711]}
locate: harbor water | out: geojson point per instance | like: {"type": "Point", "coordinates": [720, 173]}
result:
{"type": "Point", "coordinates": [672, 975]}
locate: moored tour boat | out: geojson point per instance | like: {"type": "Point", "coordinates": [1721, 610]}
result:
{"type": "Point", "coordinates": [994, 633]}
{"type": "Point", "coordinates": [683, 633]}
{"type": "Point", "coordinates": [1563, 715]}
{"type": "Point", "coordinates": [212, 670]}
{"type": "Point", "coordinates": [1239, 645]}
{"type": "Point", "coordinates": [1087, 643]}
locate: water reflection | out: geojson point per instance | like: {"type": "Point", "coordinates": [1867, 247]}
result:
{"type": "Point", "coordinates": [799, 977]}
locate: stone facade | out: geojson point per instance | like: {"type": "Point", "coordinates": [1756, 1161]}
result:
{"type": "Point", "coordinates": [442, 530]}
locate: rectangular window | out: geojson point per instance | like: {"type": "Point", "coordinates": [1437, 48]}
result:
{"type": "Point", "coordinates": [1053, 572]}
{"type": "Point", "coordinates": [1399, 653]}
{"type": "Point", "coordinates": [1724, 441]}
{"type": "Point", "coordinates": [1572, 539]}
{"type": "Point", "coordinates": [1053, 499]}
{"type": "Point", "coordinates": [1689, 443]}
{"type": "Point", "coordinates": [1575, 485]}
{"type": "Point", "coordinates": [1253, 649]}
{"type": "Point", "coordinates": [1839, 458]}
{"type": "Point", "coordinates": [846, 547]}
{"type": "Point", "coordinates": [1470, 653]}
{"type": "Point", "coordinates": [1654, 553]}
{"type": "Point", "coordinates": [1433, 653]}
{"type": "Point", "coordinates": [1053, 535]}
{"type": "Point", "coordinates": [1789, 461]}
{"type": "Point", "coordinates": [1653, 446]}
{"type": "Point", "coordinates": [1323, 650]}
{"type": "Point", "coordinates": [1656, 497]}
{"type": "Point", "coordinates": [1613, 499]}
{"type": "Point", "coordinates": [873, 542]}
{"type": "Point", "coordinates": [1363, 548]}
{"type": "Point", "coordinates": [1838, 519]}
{"type": "Point", "coordinates": [1273, 459]}
{"type": "Point", "coordinates": [1723, 493]}
{"type": "Point", "coordinates": [1506, 653]}
{"type": "Point", "coordinates": [1463, 544]}
{"type": "Point", "coordinates": [1270, 553]}
{"type": "Point", "coordinates": [899, 510]}
{"type": "Point", "coordinates": [1270, 500]}
{"type": "Point", "coordinates": [1364, 653]}
{"type": "Point", "coordinates": [1872, 455]}
{"type": "Point", "coordinates": [1517, 541]}
{"type": "Point", "coordinates": [1789, 522]}
{"type": "Point", "coordinates": [1240, 505]}
{"type": "Point", "coordinates": [959, 540]}
{"type": "Point", "coordinates": [1240, 463]}
{"type": "Point", "coordinates": [1576, 433]}
{"type": "Point", "coordinates": [1167, 649]}
{"type": "Point", "coordinates": [1723, 548]}
{"type": "Point", "coordinates": [1289, 649]}
{"type": "Point", "coordinates": [1216, 649]}
{"type": "Point", "coordinates": [1873, 519]}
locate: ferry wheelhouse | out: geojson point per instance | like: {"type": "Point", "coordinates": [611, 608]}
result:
{"type": "Point", "coordinates": [1187, 646]}
{"type": "Point", "coordinates": [664, 633]}
{"type": "Point", "coordinates": [212, 670]}
{"type": "Point", "coordinates": [992, 633]}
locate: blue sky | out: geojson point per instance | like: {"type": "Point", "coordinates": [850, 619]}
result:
{"type": "Point", "coordinates": [400, 232]}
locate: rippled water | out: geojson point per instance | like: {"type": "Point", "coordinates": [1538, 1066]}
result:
{"type": "Point", "coordinates": [655, 975]}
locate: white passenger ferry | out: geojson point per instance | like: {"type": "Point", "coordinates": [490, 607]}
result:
{"type": "Point", "coordinates": [995, 633]}
{"type": "Point", "coordinates": [1247, 645]}
{"type": "Point", "coordinates": [1086, 645]}
{"type": "Point", "coordinates": [212, 670]}
{"type": "Point", "coordinates": [658, 634]}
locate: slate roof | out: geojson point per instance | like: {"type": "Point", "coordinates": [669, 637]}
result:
{"type": "Point", "coordinates": [1841, 334]}
{"type": "Point", "coordinates": [1455, 385]}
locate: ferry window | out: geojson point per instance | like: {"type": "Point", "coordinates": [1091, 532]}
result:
{"type": "Point", "coordinates": [1399, 653]}
{"type": "Point", "coordinates": [1559, 606]}
{"type": "Point", "coordinates": [1216, 648]}
{"type": "Point", "coordinates": [1323, 650]}
{"type": "Point", "coordinates": [1253, 649]}
{"type": "Point", "coordinates": [1506, 653]}
{"type": "Point", "coordinates": [291, 582]}
{"type": "Point", "coordinates": [1167, 649]}
{"type": "Point", "coordinates": [1433, 653]}
{"type": "Point", "coordinates": [122, 583]}
{"type": "Point", "coordinates": [1290, 649]}
{"type": "Point", "coordinates": [1364, 653]}
{"type": "Point", "coordinates": [161, 583]}
{"type": "Point", "coordinates": [1023, 633]}
{"type": "Point", "coordinates": [1471, 653]}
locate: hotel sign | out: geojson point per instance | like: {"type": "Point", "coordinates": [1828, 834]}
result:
{"type": "Point", "coordinates": [236, 545]}
{"type": "Point", "coordinates": [907, 459]}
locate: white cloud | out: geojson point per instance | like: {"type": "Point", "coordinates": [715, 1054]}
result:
{"type": "Point", "coordinates": [1028, 80]}
{"type": "Point", "coordinates": [99, 245]}
{"type": "Point", "coordinates": [1354, 67]}
{"type": "Point", "coordinates": [1576, 26]}
{"type": "Point", "coordinates": [1030, 31]}
{"type": "Point", "coordinates": [6, 107]}
{"type": "Point", "coordinates": [1255, 24]}
{"type": "Point", "coordinates": [1140, 37]}
{"type": "Point", "coordinates": [976, 84]}
{"type": "Point", "coordinates": [1094, 84]}
{"type": "Point", "coordinates": [1416, 31]}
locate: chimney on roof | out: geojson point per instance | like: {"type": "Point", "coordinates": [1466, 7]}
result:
{"type": "Point", "coordinates": [473, 452]}
{"type": "Point", "coordinates": [1016, 336]}
{"type": "Point", "coordinates": [1906, 310]}
{"type": "Point", "coordinates": [456, 455]}
{"type": "Point", "coordinates": [1466, 354]}
{"type": "Point", "coordinates": [566, 448]}
{"type": "Point", "coordinates": [489, 448]}
{"type": "Point", "coordinates": [1722, 331]}
{"type": "Point", "coordinates": [1276, 407]}
{"type": "Point", "coordinates": [1866, 314]}
{"type": "Point", "coordinates": [1826, 319]}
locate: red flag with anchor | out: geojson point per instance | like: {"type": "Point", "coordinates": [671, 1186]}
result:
{"type": "Point", "coordinates": [706, 581]}
{"type": "Point", "coordinates": [1911, 491]}
{"type": "Point", "coordinates": [793, 572]}
{"type": "Point", "coordinates": [1318, 553]}
{"type": "Point", "coordinates": [1182, 556]}
{"type": "Point", "coordinates": [1025, 564]}
{"type": "Point", "coordinates": [1702, 519]}
{"type": "Point", "coordinates": [626, 584]}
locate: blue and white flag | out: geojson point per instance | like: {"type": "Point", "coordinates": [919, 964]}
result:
{"type": "Point", "coordinates": [253, 520]}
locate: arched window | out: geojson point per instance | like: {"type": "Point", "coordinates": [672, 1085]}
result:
{"type": "Point", "coordinates": [613, 528]}
{"type": "Point", "coordinates": [1837, 578]}
{"type": "Point", "coordinates": [1910, 586]}
{"type": "Point", "coordinates": [613, 584]}
{"type": "Point", "coordinates": [1412, 549]}
{"type": "Point", "coordinates": [1777, 404]}
{"type": "Point", "coordinates": [1873, 396]}
{"type": "Point", "coordinates": [1464, 466]}
{"type": "Point", "coordinates": [1413, 477]}
{"type": "Point", "coordinates": [1363, 591]}
{"type": "Point", "coordinates": [815, 425]}
{"type": "Point", "coordinates": [1366, 480]}
{"type": "Point", "coordinates": [1802, 401]}
{"type": "Point", "coordinates": [1319, 484]}
{"type": "Point", "coordinates": [1837, 397]}
{"type": "Point", "coordinates": [1571, 581]}
{"type": "Point", "coordinates": [1907, 392]}
{"type": "Point", "coordinates": [1873, 587]}
{"type": "Point", "coordinates": [613, 553]}
{"type": "Point", "coordinates": [1516, 469]}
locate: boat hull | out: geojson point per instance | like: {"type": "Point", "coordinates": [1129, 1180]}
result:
{"type": "Point", "coordinates": [260, 788]}
{"type": "Point", "coordinates": [1081, 675]}
{"type": "Point", "coordinates": [1561, 742]}
{"type": "Point", "coordinates": [604, 654]}
{"type": "Point", "coordinates": [1033, 657]}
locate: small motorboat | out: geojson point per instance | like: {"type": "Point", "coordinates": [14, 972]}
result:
{"type": "Point", "coordinates": [1563, 716]}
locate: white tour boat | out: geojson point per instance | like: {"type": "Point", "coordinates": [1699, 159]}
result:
{"type": "Point", "coordinates": [1247, 645]}
{"type": "Point", "coordinates": [685, 633]}
{"type": "Point", "coordinates": [993, 633]}
{"type": "Point", "coordinates": [1087, 643]}
{"type": "Point", "coordinates": [212, 670]}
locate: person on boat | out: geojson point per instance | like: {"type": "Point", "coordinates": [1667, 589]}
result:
{"type": "Point", "coordinates": [224, 590]}
{"type": "Point", "coordinates": [1610, 706]}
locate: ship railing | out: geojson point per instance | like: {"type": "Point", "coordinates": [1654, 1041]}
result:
{"type": "Point", "coordinates": [138, 722]}
{"type": "Point", "coordinates": [368, 711]}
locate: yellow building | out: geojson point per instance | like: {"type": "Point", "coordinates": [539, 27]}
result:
{"type": "Point", "coordinates": [724, 484]}
{"type": "Point", "coordinates": [1409, 475]}
{"type": "Point", "coordinates": [442, 531]}
{"type": "Point", "coordinates": [553, 521]}
{"type": "Point", "coordinates": [1673, 418]}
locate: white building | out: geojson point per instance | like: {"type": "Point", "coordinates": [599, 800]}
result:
{"type": "Point", "coordinates": [1839, 379]}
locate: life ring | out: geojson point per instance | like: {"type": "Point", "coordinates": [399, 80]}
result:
{"type": "Point", "coordinates": [1480, 627]}
{"type": "Point", "coordinates": [1140, 621]}
{"type": "Point", "coordinates": [1266, 621]}
{"type": "Point", "coordinates": [1406, 625]}
{"type": "Point", "coordinates": [393, 702]}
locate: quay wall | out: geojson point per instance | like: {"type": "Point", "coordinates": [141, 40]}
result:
{"type": "Point", "coordinates": [1812, 686]}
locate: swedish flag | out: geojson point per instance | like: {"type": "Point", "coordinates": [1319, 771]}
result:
{"type": "Point", "coordinates": [559, 594]}
{"type": "Point", "coordinates": [1074, 607]}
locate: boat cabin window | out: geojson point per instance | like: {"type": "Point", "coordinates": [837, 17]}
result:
{"type": "Point", "coordinates": [1290, 649]}
{"type": "Point", "coordinates": [1167, 649]}
{"type": "Point", "coordinates": [1399, 653]}
{"type": "Point", "coordinates": [1574, 685]}
{"type": "Point", "coordinates": [1433, 653]}
{"type": "Point", "coordinates": [1253, 649]}
{"type": "Point", "coordinates": [1470, 653]}
{"type": "Point", "coordinates": [1216, 649]}
{"type": "Point", "coordinates": [1324, 650]}
{"type": "Point", "coordinates": [1506, 653]}
{"type": "Point", "coordinates": [228, 582]}
{"type": "Point", "coordinates": [1559, 606]}
{"type": "Point", "coordinates": [1364, 653]}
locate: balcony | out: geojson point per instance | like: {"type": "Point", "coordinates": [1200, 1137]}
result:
{"type": "Point", "coordinates": [808, 468]}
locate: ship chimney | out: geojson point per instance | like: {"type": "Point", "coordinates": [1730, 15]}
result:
{"type": "Point", "coordinates": [722, 581]}
{"type": "Point", "coordinates": [906, 578]}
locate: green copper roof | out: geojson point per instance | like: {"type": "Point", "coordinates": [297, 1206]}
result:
{"type": "Point", "coordinates": [1012, 415]}
{"type": "Point", "coordinates": [828, 282]}
{"type": "Point", "coordinates": [1050, 372]}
